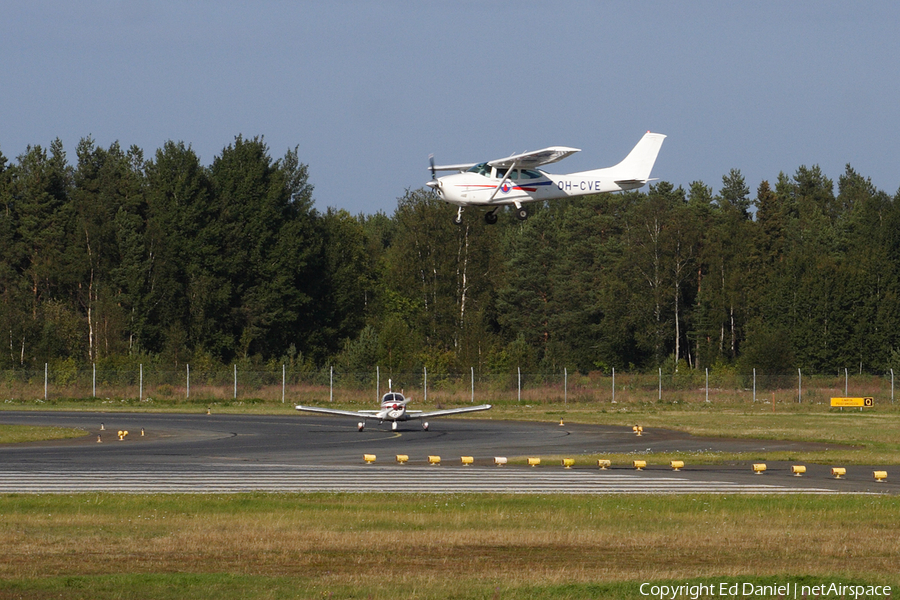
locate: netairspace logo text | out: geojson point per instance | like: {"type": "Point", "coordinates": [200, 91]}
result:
{"type": "Point", "coordinates": [751, 590]}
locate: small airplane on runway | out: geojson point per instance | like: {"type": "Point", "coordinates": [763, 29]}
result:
{"type": "Point", "coordinates": [393, 408]}
{"type": "Point", "coordinates": [516, 180]}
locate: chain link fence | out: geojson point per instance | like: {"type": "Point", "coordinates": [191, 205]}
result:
{"type": "Point", "coordinates": [187, 385]}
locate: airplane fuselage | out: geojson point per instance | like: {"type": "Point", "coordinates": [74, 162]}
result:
{"type": "Point", "coordinates": [473, 189]}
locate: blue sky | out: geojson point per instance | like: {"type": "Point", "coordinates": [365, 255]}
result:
{"type": "Point", "coordinates": [367, 90]}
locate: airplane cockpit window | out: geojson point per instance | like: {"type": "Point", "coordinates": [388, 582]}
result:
{"type": "Point", "coordinates": [394, 397]}
{"type": "Point", "coordinates": [481, 169]}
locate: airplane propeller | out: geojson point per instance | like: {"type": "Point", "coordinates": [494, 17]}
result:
{"type": "Point", "coordinates": [434, 184]}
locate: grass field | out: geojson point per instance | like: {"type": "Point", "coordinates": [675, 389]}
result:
{"type": "Point", "coordinates": [451, 546]}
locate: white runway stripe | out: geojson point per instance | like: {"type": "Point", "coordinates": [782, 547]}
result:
{"type": "Point", "coordinates": [372, 478]}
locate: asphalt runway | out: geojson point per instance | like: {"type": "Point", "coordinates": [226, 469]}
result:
{"type": "Point", "coordinates": [200, 453]}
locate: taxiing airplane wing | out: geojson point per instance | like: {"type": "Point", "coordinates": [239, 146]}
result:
{"type": "Point", "coordinates": [449, 411]}
{"type": "Point", "coordinates": [365, 414]}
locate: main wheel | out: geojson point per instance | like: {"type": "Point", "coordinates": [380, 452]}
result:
{"type": "Point", "coordinates": [490, 218]}
{"type": "Point", "coordinates": [522, 213]}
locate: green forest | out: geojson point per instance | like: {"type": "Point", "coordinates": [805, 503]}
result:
{"type": "Point", "coordinates": [121, 257]}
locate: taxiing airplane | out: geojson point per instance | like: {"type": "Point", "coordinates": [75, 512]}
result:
{"type": "Point", "coordinates": [393, 408]}
{"type": "Point", "coordinates": [516, 180]}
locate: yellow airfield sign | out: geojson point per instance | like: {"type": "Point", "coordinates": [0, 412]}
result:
{"type": "Point", "coordinates": [853, 402]}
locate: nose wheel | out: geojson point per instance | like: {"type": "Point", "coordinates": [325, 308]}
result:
{"type": "Point", "coordinates": [458, 218]}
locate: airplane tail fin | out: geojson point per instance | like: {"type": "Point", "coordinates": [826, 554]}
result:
{"type": "Point", "coordinates": [637, 165]}
{"type": "Point", "coordinates": [634, 171]}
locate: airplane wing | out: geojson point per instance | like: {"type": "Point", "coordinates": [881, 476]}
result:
{"type": "Point", "coordinates": [460, 167]}
{"type": "Point", "coordinates": [449, 411]}
{"type": "Point", "coordinates": [364, 414]}
{"type": "Point", "coordinates": [531, 160]}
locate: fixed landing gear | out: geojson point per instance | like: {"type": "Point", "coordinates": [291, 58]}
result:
{"type": "Point", "coordinates": [425, 425]}
{"type": "Point", "coordinates": [490, 217]}
{"type": "Point", "coordinates": [521, 213]}
{"type": "Point", "coordinates": [458, 218]}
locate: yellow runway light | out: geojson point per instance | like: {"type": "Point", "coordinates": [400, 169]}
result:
{"type": "Point", "coordinates": [838, 472]}
{"type": "Point", "coordinates": [638, 430]}
{"type": "Point", "coordinates": [880, 476]}
{"type": "Point", "coordinates": [759, 468]}
{"type": "Point", "coordinates": [533, 462]}
{"type": "Point", "coordinates": [604, 463]}
{"type": "Point", "coordinates": [467, 460]}
{"type": "Point", "coordinates": [639, 465]}
{"type": "Point", "coordinates": [568, 462]}
{"type": "Point", "coordinates": [434, 460]}
{"type": "Point", "coordinates": [369, 458]}
{"type": "Point", "coordinates": [402, 458]}
{"type": "Point", "coordinates": [798, 470]}
{"type": "Point", "coordinates": [677, 465]}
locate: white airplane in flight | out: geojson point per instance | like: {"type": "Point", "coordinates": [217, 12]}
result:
{"type": "Point", "coordinates": [516, 180]}
{"type": "Point", "coordinates": [393, 408]}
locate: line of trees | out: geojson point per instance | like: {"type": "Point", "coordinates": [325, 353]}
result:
{"type": "Point", "coordinates": [120, 258]}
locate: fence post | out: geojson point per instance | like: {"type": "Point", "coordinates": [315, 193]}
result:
{"type": "Point", "coordinates": [282, 383]}
{"type": "Point", "coordinates": [331, 385]}
{"type": "Point", "coordinates": [425, 384]}
{"type": "Point", "coordinates": [377, 382]}
{"type": "Point", "coordinates": [94, 380]}
{"type": "Point", "coordinates": [565, 386]}
{"type": "Point", "coordinates": [845, 382]}
{"type": "Point", "coordinates": [235, 381]}
{"type": "Point", "coordinates": [799, 387]}
{"type": "Point", "coordinates": [892, 385]}
{"type": "Point", "coordinates": [707, 383]}
{"type": "Point", "coordinates": [754, 384]}
{"type": "Point", "coordinates": [188, 394]}
{"type": "Point", "coordinates": [472, 401]}
{"type": "Point", "coordinates": [45, 381]}
{"type": "Point", "coordinates": [519, 370]}
{"type": "Point", "coordinates": [613, 384]}
{"type": "Point", "coordinates": [660, 384]}
{"type": "Point", "coordinates": [141, 386]}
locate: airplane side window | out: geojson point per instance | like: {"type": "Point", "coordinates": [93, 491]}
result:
{"type": "Point", "coordinates": [529, 174]}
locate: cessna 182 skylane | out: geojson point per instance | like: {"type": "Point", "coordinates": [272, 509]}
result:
{"type": "Point", "coordinates": [516, 180]}
{"type": "Point", "coordinates": [393, 408]}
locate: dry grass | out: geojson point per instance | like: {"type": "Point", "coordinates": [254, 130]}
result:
{"type": "Point", "coordinates": [18, 434]}
{"type": "Point", "coordinates": [521, 541]}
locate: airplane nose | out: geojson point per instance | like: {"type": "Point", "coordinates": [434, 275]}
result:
{"type": "Point", "coordinates": [395, 407]}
